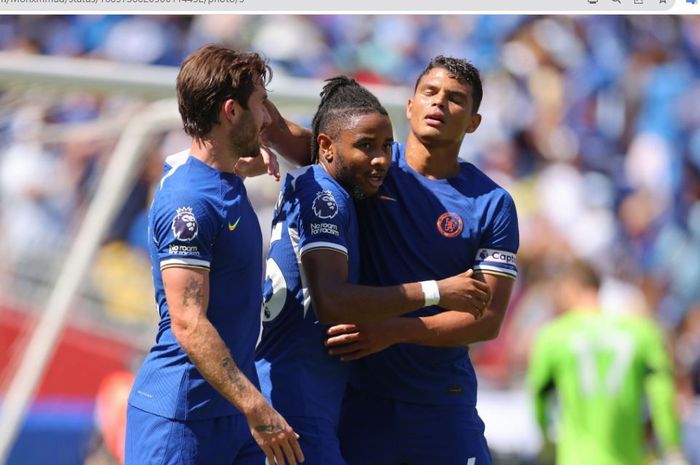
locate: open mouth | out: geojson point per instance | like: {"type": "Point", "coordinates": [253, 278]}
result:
{"type": "Point", "coordinates": [376, 179]}
{"type": "Point", "coordinates": [435, 119]}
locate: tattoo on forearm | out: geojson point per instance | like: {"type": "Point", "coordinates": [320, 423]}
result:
{"type": "Point", "coordinates": [193, 293]}
{"type": "Point", "coordinates": [233, 373]}
{"type": "Point", "coordinates": [238, 380]}
{"type": "Point", "coordinates": [268, 428]}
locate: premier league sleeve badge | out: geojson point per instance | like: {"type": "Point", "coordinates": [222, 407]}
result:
{"type": "Point", "coordinates": [184, 224]}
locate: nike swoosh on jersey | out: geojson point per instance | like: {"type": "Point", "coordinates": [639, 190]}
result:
{"type": "Point", "coordinates": [386, 197]}
{"type": "Point", "coordinates": [232, 227]}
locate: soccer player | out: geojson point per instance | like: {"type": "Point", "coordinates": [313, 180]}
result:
{"type": "Point", "coordinates": [601, 368]}
{"type": "Point", "coordinates": [313, 267]}
{"type": "Point", "coordinates": [195, 400]}
{"type": "Point", "coordinates": [415, 401]}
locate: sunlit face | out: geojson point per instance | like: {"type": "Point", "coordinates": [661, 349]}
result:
{"type": "Point", "coordinates": [245, 134]}
{"type": "Point", "coordinates": [362, 154]}
{"type": "Point", "coordinates": [441, 108]}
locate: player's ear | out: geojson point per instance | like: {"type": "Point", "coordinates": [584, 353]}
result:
{"type": "Point", "coordinates": [409, 108]}
{"type": "Point", "coordinates": [473, 123]}
{"type": "Point", "coordinates": [325, 147]}
{"type": "Point", "coordinates": [228, 108]}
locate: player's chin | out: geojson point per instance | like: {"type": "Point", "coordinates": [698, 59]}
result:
{"type": "Point", "coordinates": [370, 192]}
{"type": "Point", "coordinates": [363, 191]}
{"type": "Point", "coordinates": [371, 185]}
{"type": "Point", "coordinates": [433, 131]}
{"type": "Point", "coordinates": [253, 150]}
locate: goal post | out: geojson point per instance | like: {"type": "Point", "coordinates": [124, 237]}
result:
{"type": "Point", "coordinates": [158, 82]}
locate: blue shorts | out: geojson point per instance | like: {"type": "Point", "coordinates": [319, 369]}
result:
{"type": "Point", "coordinates": [379, 431]}
{"type": "Point", "coordinates": [318, 439]}
{"type": "Point", "coordinates": [155, 440]}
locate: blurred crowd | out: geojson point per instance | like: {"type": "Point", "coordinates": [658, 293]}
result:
{"type": "Point", "coordinates": [592, 123]}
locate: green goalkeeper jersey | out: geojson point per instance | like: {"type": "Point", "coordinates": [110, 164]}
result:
{"type": "Point", "coordinates": [601, 366]}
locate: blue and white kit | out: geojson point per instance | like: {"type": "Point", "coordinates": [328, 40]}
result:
{"type": "Point", "coordinates": [297, 375]}
{"type": "Point", "coordinates": [421, 229]}
{"type": "Point", "coordinates": [200, 218]}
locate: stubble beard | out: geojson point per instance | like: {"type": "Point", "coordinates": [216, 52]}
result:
{"type": "Point", "coordinates": [245, 139]}
{"type": "Point", "coordinates": [250, 149]}
{"type": "Point", "coordinates": [357, 193]}
{"type": "Point", "coordinates": [346, 178]}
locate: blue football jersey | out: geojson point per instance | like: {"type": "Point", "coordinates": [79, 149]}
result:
{"type": "Point", "coordinates": [419, 229]}
{"type": "Point", "coordinates": [201, 218]}
{"type": "Point", "coordinates": [296, 373]}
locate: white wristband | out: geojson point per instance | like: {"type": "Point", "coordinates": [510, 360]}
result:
{"type": "Point", "coordinates": [431, 293]}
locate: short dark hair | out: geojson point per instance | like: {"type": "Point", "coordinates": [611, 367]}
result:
{"type": "Point", "coordinates": [462, 70]}
{"type": "Point", "coordinates": [583, 274]}
{"type": "Point", "coordinates": [342, 98]}
{"type": "Point", "coordinates": [211, 75]}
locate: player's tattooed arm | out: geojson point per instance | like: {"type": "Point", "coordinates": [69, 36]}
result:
{"type": "Point", "coordinates": [240, 382]}
{"type": "Point", "coordinates": [233, 373]}
{"type": "Point", "coordinates": [192, 294]}
{"type": "Point", "coordinates": [275, 437]}
{"type": "Point", "coordinates": [187, 293]}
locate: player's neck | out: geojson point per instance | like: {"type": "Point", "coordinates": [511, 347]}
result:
{"type": "Point", "coordinates": [434, 162]}
{"type": "Point", "coordinates": [208, 151]}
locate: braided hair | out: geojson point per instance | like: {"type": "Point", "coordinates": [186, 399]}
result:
{"type": "Point", "coordinates": [342, 99]}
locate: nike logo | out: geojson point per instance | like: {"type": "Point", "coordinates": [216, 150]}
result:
{"type": "Point", "coordinates": [232, 227]}
{"type": "Point", "coordinates": [386, 197]}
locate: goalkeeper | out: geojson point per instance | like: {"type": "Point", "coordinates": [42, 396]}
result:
{"type": "Point", "coordinates": [601, 367]}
